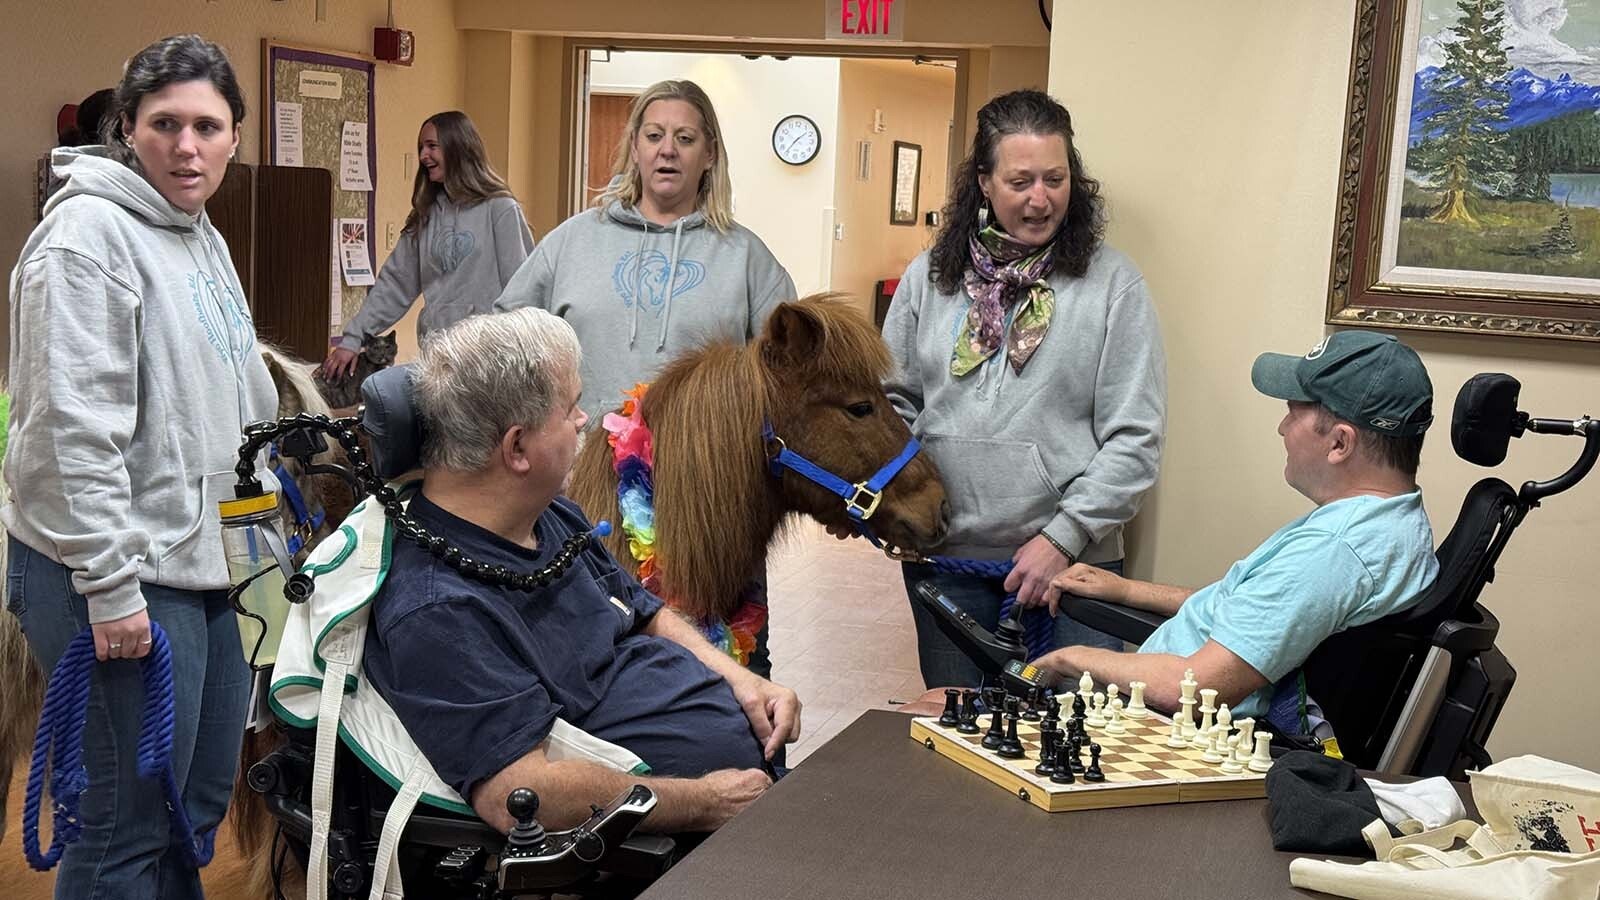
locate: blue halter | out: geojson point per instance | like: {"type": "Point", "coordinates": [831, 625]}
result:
{"type": "Point", "coordinates": [306, 520]}
{"type": "Point", "coordinates": [861, 498]}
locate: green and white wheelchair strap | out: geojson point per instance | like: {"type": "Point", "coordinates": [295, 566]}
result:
{"type": "Point", "coordinates": [386, 883]}
{"type": "Point", "coordinates": [332, 697]}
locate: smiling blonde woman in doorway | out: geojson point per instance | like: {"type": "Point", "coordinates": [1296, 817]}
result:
{"type": "Point", "coordinates": [462, 242]}
{"type": "Point", "coordinates": [1029, 363]}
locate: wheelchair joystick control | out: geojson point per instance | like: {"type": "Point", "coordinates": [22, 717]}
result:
{"type": "Point", "coordinates": [527, 836]}
{"type": "Point", "coordinates": [1009, 633]}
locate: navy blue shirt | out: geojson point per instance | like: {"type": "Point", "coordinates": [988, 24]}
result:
{"type": "Point", "coordinates": [478, 674]}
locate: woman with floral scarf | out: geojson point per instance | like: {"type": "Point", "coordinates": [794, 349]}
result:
{"type": "Point", "coordinates": [1029, 363]}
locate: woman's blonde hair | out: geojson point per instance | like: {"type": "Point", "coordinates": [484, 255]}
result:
{"type": "Point", "coordinates": [715, 197]}
{"type": "Point", "coordinates": [468, 177]}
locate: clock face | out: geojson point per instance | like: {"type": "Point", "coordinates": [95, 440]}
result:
{"type": "Point", "coordinates": [796, 140]}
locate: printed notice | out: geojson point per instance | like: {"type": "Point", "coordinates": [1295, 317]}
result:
{"type": "Point", "coordinates": [353, 172]}
{"type": "Point", "coordinates": [326, 85]}
{"type": "Point", "coordinates": [286, 150]}
{"type": "Point", "coordinates": [353, 255]}
{"type": "Point", "coordinates": [335, 291]}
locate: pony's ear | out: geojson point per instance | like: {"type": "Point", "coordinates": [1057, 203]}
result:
{"type": "Point", "coordinates": [793, 335]}
{"type": "Point", "coordinates": [273, 369]}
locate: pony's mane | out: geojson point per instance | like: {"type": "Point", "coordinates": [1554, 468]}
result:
{"type": "Point", "coordinates": [296, 374]}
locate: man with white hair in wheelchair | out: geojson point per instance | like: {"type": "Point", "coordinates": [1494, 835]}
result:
{"type": "Point", "coordinates": [479, 673]}
{"type": "Point", "coordinates": [1359, 403]}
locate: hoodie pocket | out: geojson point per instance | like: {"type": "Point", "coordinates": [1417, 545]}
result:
{"type": "Point", "coordinates": [1000, 494]}
{"type": "Point", "coordinates": [194, 560]}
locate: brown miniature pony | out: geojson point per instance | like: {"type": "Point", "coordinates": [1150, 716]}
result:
{"type": "Point", "coordinates": [815, 375]}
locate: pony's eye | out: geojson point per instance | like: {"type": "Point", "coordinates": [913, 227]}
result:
{"type": "Point", "coordinates": [859, 410]}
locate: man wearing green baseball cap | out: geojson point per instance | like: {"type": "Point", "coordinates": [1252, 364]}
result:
{"type": "Point", "coordinates": [1359, 404]}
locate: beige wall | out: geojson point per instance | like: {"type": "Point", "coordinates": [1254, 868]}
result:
{"type": "Point", "coordinates": [1219, 151]}
{"type": "Point", "coordinates": [58, 52]}
{"type": "Point", "coordinates": [788, 207]}
{"type": "Point", "coordinates": [918, 103]}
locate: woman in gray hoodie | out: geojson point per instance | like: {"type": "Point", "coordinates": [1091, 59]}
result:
{"type": "Point", "coordinates": [1029, 363]}
{"type": "Point", "coordinates": [463, 240]}
{"type": "Point", "coordinates": [134, 367]}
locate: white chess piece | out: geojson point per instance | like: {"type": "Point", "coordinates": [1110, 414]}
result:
{"type": "Point", "coordinates": [1208, 713]}
{"type": "Point", "coordinates": [1136, 708]}
{"type": "Point", "coordinates": [1187, 718]}
{"type": "Point", "coordinates": [1085, 686]}
{"type": "Point", "coordinates": [1247, 728]}
{"type": "Point", "coordinates": [1262, 760]}
{"type": "Point", "coordinates": [1112, 693]}
{"type": "Point", "coordinates": [1115, 726]}
{"type": "Point", "coordinates": [1096, 717]}
{"type": "Point", "coordinates": [1188, 684]}
{"type": "Point", "coordinates": [1232, 763]}
{"type": "Point", "coordinates": [1213, 752]}
{"type": "Point", "coordinates": [1225, 718]}
{"type": "Point", "coordinates": [1176, 738]}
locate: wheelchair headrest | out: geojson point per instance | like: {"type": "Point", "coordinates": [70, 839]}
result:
{"type": "Point", "coordinates": [390, 420]}
{"type": "Point", "coordinates": [1486, 418]}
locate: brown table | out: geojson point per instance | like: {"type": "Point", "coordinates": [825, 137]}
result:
{"type": "Point", "coordinates": [873, 815]}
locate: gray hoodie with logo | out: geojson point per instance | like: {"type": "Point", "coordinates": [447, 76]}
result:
{"type": "Point", "coordinates": [1066, 448]}
{"type": "Point", "coordinates": [607, 272]}
{"type": "Point", "coordinates": [460, 259]}
{"type": "Point", "coordinates": [134, 366]}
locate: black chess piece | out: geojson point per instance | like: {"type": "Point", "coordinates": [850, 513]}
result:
{"type": "Point", "coordinates": [1079, 710]}
{"type": "Point", "coordinates": [1047, 752]}
{"type": "Point", "coordinates": [1011, 745]}
{"type": "Point", "coordinates": [1030, 710]}
{"type": "Point", "coordinates": [991, 741]}
{"type": "Point", "coordinates": [1093, 773]}
{"type": "Point", "coordinates": [1075, 753]}
{"type": "Point", "coordinates": [967, 721]}
{"type": "Point", "coordinates": [950, 717]}
{"type": "Point", "coordinates": [1066, 745]}
{"type": "Point", "coordinates": [1053, 705]}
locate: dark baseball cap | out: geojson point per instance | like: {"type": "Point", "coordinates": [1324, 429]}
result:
{"type": "Point", "coordinates": [1370, 380]}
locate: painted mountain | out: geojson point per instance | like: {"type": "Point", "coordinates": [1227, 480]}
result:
{"type": "Point", "coordinates": [1533, 99]}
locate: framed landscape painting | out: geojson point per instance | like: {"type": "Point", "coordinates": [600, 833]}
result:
{"type": "Point", "coordinates": [1469, 195]}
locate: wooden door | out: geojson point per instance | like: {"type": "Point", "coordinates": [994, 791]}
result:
{"type": "Point", "coordinates": [608, 120]}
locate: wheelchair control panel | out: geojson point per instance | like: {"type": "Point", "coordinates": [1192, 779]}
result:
{"type": "Point", "coordinates": [992, 652]}
{"type": "Point", "coordinates": [536, 860]}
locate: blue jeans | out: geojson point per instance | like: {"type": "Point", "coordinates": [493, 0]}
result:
{"type": "Point", "coordinates": [942, 663]}
{"type": "Point", "coordinates": [126, 851]}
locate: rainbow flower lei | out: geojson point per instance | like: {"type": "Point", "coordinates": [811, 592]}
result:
{"type": "Point", "coordinates": [633, 457]}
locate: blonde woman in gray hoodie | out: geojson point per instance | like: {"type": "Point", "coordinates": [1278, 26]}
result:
{"type": "Point", "coordinates": [134, 366]}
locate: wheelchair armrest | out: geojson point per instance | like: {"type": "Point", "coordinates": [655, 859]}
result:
{"type": "Point", "coordinates": [1132, 625]}
{"type": "Point", "coordinates": [642, 857]}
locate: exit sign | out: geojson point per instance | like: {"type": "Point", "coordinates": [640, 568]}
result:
{"type": "Point", "coordinates": [854, 20]}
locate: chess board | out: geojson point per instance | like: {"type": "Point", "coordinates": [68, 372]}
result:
{"type": "Point", "coordinates": [1140, 768]}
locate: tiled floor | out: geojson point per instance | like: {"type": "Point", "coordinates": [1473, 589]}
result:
{"type": "Point", "coordinates": [841, 632]}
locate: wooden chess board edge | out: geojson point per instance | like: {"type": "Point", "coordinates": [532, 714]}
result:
{"type": "Point", "coordinates": [1081, 794]}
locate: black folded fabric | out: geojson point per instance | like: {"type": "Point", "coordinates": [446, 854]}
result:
{"type": "Point", "coordinates": [1319, 804]}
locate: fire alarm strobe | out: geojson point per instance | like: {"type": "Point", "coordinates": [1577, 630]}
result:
{"type": "Point", "coordinates": [394, 45]}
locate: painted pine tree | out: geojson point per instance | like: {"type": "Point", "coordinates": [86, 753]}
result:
{"type": "Point", "coordinates": [1467, 156]}
{"type": "Point", "coordinates": [1558, 239]}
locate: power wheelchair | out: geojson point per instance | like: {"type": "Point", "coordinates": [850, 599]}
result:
{"type": "Point", "coordinates": [440, 853]}
{"type": "Point", "coordinates": [1418, 692]}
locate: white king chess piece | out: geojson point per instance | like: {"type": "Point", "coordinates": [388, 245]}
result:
{"type": "Point", "coordinates": [1188, 685]}
{"type": "Point", "coordinates": [1136, 708]}
{"type": "Point", "coordinates": [1262, 760]}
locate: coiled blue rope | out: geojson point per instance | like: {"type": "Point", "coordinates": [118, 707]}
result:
{"type": "Point", "coordinates": [59, 743]}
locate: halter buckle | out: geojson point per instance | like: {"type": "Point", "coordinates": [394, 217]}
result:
{"type": "Point", "coordinates": [858, 509]}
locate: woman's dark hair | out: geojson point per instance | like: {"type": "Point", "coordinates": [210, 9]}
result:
{"type": "Point", "coordinates": [171, 60]}
{"type": "Point", "coordinates": [1019, 112]}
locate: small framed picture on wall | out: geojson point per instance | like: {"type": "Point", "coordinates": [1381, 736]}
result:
{"type": "Point", "coordinates": [907, 179]}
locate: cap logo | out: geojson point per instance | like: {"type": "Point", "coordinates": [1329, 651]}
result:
{"type": "Point", "coordinates": [1385, 424]}
{"type": "Point", "coordinates": [1319, 348]}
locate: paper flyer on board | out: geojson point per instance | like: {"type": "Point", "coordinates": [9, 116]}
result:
{"type": "Point", "coordinates": [286, 135]}
{"type": "Point", "coordinates": [354, 174]}
{"type": "Point", "coordinates": [353, 256]}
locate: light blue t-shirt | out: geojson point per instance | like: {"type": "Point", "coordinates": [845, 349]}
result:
{"type": "Point", "coordinates": [1343, 564]}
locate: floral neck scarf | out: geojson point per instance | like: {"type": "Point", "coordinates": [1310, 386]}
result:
{"type": "Point", "coordinates": [1004, 273]}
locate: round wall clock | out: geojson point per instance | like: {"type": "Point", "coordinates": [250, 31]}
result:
{"type": "Point", "coordinates": [796, 140]}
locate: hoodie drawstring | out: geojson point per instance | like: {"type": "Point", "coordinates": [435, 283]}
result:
{"type": "Point", "coordinates": [672, 278]}
{"type": "Point", "coordinates": [638, 284]}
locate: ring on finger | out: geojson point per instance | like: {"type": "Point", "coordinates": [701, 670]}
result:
{"type": "Point", "coordinates": [145, 641]}
{"type": "Point", "coordinates": [116, 646]}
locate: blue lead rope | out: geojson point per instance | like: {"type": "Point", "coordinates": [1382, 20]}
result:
{"type": "Point", "coordinates": [1038, 628]}
{"type": "Point", "coordinates": [59, 741]}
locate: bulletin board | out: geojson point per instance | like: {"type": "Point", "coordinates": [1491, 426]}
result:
{"type": "Point", "coordinates": [310, 95]}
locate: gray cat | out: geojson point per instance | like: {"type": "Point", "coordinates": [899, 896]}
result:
{"type": "Point", "coordinates": [376, 353]}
